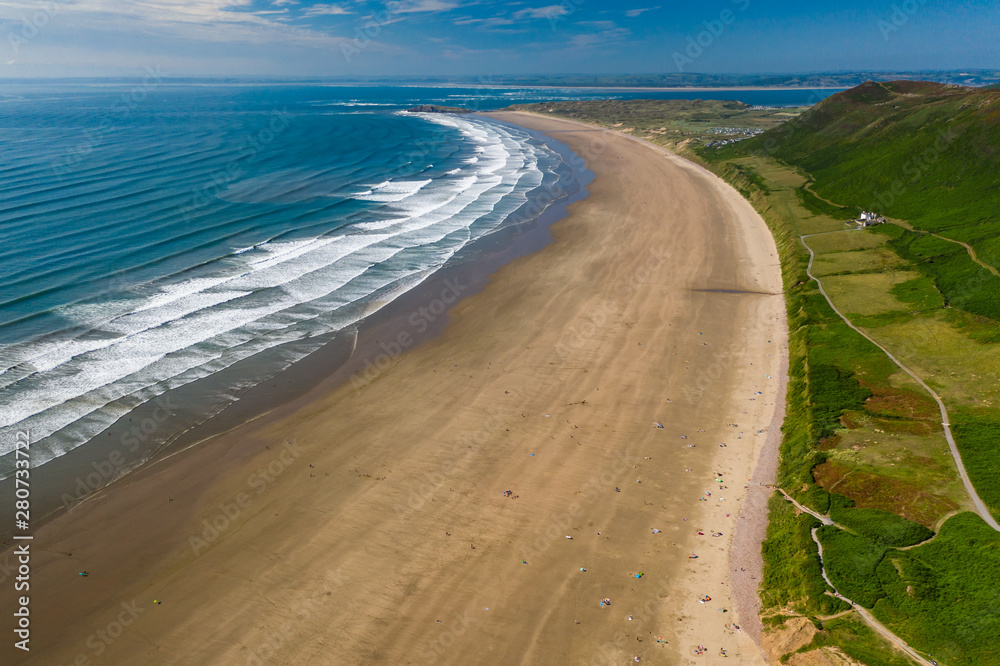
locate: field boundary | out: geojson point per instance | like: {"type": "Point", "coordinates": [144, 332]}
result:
{"type": "Point", "coordinates": [977, 503]}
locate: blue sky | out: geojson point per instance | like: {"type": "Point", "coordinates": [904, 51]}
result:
{"type": "Point", "coordinates": [441, 37]}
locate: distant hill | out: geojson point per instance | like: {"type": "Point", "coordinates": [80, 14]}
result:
{"type": "Point", "coordinates": [693, 79]}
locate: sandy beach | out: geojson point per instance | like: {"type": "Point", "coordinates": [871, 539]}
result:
{"type": "Point", "coordinates": [593, 425]}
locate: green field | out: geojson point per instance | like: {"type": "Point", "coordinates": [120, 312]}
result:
{"type": "Point", "coordinates": [876, 293]}
{"type": "Point", "coordinates": [871, 260]}
{"type": "Point", "coordinates": [881, 527]}
{"type": "Point", "coordinates": [844, 241]}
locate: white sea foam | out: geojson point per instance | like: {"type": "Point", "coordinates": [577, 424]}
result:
{"type": "Point", "coordinates": [391, 191]}
{"type": "Point", "coordinates": [263, 295]}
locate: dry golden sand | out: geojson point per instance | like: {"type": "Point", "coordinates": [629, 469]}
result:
{"type": "Point", "coordinates": [382, 535]}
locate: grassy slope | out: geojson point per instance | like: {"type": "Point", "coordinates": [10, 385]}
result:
{"type": "Point", "coordinates": [938, 143]}
{"type": "Point", "coordinates": [929, 154]}
{"type": "Point", "coordinates": [922, 152]}
{"type": "Point", "coordinates": [852, 636]}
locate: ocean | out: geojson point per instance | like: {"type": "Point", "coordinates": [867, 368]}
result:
{"type": "Point", "coordinates": [167, 248]}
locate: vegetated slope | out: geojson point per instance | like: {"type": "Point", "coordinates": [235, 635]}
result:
{"type": "Point", "coordinates": [928, 154]}
{"type": "Point", "coordinates": [924, 152]}
{"type": "Point", "coordinates": [940, 595]}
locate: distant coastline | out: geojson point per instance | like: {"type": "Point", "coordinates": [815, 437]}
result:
{"type": "Point", "coordinates": [499, 86]}
{"type": "Point", "coordinates": [662, 81]}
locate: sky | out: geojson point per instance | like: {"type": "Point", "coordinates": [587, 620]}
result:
{"type": "Point", "coordinates": [58, 38]}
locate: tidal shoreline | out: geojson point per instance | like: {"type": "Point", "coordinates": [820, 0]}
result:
{"type": "Point", "coordinates": [177, 423]}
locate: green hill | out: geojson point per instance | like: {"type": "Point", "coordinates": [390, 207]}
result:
{"type": "Point", "coordinates": [922, 152]}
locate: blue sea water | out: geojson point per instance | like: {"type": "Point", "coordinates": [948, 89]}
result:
{"type": "Point", "coordinates": [154, 235]}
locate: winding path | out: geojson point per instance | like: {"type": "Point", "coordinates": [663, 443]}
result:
{"type": "Point", "coordinates": [978, 504]}
{"type": "Point", "coordinates": [866, 615]}
{"type": "Point", "coordinates": [808, 187]}
{"type": "Point", "coordinates": [862, 611]}
{"type": "Point", "coordinates": [972, 253]}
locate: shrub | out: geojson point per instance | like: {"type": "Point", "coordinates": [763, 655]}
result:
{"type": "Point", "coordinates": [850, 562]}
{"type": "Point", "coordinates": [881, 527]}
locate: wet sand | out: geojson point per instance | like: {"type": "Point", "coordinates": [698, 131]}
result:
{"type": "Point", "coordinates": [370, 522]}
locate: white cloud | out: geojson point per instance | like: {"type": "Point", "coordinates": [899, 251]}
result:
{"type": "Point", "coordinates": [161, 12]}
{"type": "Point", "coordinates": [484, 22]}
{"type": "Point", "coordinates": [551, 11]}
{"type": "Point", "coordinates": [601, 37]}
{"type": "Point", "coordinates": [380, 20]}
{"type": "Point", "coordinates": [419, 6]}
{"type": "Point", "coordinates": [632, 13]}
{"type": "Point", "coordinates": [216, 21]}
{"type": "Point", "coordinates": [326, 10]}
